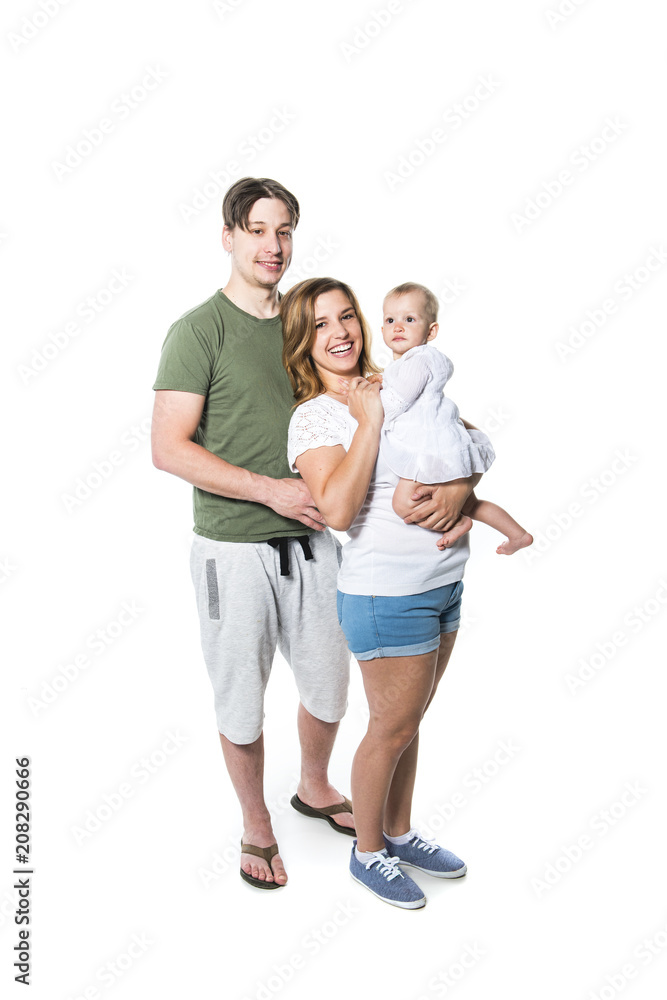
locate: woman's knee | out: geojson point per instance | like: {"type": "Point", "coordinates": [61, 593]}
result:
{"type": "Point", "coordinates": [394, 736]}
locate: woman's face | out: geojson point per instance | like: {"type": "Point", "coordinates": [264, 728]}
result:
{"type": "Point", "coordinates": [338, 339]}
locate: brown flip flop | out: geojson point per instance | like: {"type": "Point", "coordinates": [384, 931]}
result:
{"type": "Point", "coordinates": [261, 852]}
{"type": "Point", "coordinates": [327, 813]}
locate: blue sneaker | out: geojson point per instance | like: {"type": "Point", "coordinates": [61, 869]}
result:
{"type": "Point", "coordinates": [426, 856]}
{"type": "Point", "coordinates": [386, 880]}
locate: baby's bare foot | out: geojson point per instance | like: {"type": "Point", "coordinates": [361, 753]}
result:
{"type": "Point", "coordinates": [514, 544]}
{"type": "Point", "coordinates": [462, 526]}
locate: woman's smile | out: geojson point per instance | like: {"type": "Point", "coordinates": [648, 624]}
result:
{"type": "Point", "coordinates": [342, 349]}
{"type": "Point", "coordinates": [338, 340]}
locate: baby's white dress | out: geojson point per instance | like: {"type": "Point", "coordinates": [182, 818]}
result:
{"type": "Point", "coordinates": [423, 436]}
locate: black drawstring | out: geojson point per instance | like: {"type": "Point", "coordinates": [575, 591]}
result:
{"type": "Point", "coordinates": [282, 545]}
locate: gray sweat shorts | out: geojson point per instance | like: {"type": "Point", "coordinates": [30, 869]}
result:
{"type": "Point", "coordinates": [247, 609]}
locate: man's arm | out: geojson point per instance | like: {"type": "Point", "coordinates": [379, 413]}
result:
{"type": "Point", "coordinates": [176, 417]}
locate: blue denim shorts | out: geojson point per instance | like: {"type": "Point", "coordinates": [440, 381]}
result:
{"type": "Point", "coordinates": [399, 626]}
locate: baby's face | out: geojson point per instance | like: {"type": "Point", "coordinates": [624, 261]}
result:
{"type": "Point", "coordinates": [404, 324]}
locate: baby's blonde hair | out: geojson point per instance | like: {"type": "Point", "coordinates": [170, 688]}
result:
{"type": "Point", "coordinates": [430, 301]}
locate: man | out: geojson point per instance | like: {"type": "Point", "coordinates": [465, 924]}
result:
{"type": "Point", "coordinates": [263, 565]}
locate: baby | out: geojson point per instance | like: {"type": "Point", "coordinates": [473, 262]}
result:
{"type": "Point", "coordinates": [424, 439]}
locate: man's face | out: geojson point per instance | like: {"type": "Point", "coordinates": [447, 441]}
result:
{"type": "Point", "coordinates": [261, 255]}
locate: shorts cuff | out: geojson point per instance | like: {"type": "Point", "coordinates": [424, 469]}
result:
{"type": "Point", "coordinates": [331, 716]}
{"type": "Point", "coordinates": [237, 739]}
{"type": "Point", "coordinates": [450, 626]}
{"type": "Point", "coordinates": [414, 650]}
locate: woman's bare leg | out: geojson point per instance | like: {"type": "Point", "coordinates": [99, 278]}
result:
{"type": "Point", "coordinates": [398, 689]}
{"type": "Point", "coordinates": [398, 818]}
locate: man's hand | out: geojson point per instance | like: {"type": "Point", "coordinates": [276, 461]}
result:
{"type": "Point", "coordinates": [291, 498]}
{"type": "Point", "coordinates": [438, 505]}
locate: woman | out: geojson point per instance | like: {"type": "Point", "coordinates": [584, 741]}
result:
{"type": "Point", "coordinates": [399, 596]}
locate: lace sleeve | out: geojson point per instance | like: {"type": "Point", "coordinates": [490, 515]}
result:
{"type": "Point", "coordinates": [313, 426]}
{"type": "Point", "coordinates": [407, 380]}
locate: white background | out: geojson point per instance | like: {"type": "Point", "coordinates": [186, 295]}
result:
{"type": "Point", "coordinates": [359, 95]}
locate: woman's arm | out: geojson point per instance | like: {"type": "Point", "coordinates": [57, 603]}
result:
{"type": "Point", "coordinates": [338, 480]}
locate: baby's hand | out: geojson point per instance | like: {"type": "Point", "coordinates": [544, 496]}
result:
{"type": "Point", "coordinates": [374, 378]}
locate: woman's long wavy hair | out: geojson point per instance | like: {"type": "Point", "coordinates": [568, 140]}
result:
{"type": "Point", "coordinates": [297, 311]}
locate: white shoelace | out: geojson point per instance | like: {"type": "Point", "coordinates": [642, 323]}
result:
{"type": "Point", "coordinates": [425, 843]}
{"type": "Point", "coordinates": [388, 867]}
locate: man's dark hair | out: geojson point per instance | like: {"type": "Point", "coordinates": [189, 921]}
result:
{"type": "Point", "coordinates": [245, 192]}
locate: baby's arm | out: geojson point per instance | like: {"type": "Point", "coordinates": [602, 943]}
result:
{"type": "Point", "coordinates": [407, 380]}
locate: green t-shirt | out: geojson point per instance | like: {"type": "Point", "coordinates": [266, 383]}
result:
{"type": "Point", "coordinates": [234, 359]}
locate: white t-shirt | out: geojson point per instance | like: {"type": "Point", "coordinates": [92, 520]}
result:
{"type": "Point", "coordinates": [384, 557]}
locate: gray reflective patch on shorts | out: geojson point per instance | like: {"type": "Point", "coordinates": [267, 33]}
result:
{"type": "Point", "coordinates": [212, 587]}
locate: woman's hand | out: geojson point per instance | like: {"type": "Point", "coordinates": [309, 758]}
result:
{"type": "Point", "coordinates": [438, 506]}
{"type": "Point", "coordinates": [337, 479]}
{"type": "Point", "coordinates": [363, 400]}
